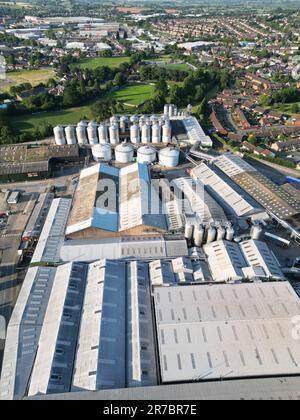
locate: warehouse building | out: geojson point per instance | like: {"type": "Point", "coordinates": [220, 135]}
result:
{"type": "Point", "coordinates": [234, 202]}
{"type": "Point", "coordinates": [226, 331]}
{"type": "Point", "coordinates": [53, 234]}
{"type": "Point", "coordinates": [272, 197]}
{"type": "Point", "coordinates": [112, 202]}
{"type": "Point", "coordinates": [231, 262]}
{"type": "Point", "coordinates": [38, 217]}
{"type": "Point", "coordinates": [80, 327]}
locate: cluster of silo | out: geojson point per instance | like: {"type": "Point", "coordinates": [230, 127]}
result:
{"type": "Point", "coordinates": [170, 110]}
{"type": "Point", "coordinates": [204, 234]}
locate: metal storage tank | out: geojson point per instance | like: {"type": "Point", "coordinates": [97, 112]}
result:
{"type": "Point", "coordinates": [166, 110]}
{"type": "Point", "coordinates": [189, 230]}
{"type": "Point", "coordinates": [211, 235]}
{"type": "Point", "coordinates": [102, 152]}
{"type": "Point", "coordinates": [146, 154]}
{"type": "Point", "coordinates": [134, 119]}
{"type": "Point", "coordinates": [92, 132]}
{"type": "Point", "coordinates": [146, 134]}
{"type": "Point", "coordinates": [123, 123]}
{"type": "Point", "coordinates": [154, 119]}
{"type": "Point", "coordinates": [199, 233]}
{"type": "Point", "coordinates": [167, 132]}
{"type": "Point", "coordinates": [229, 233]}
{"type": "Point", "coordinates": [59, 134]}
{"type": "Point", "coordinates": [114, 120]}
{"type": "Point", "coordinates": [81, 133]}
{"type": "Point", "coordinates": [256, 232]}
{"type": "Point", "coordinates": [189, 109]}
{"type": "Point", "coordinates": [169, 157]}
{"type": "Point", "coordinates": [171, 110]}
{"type": "Point", "coordinates": [70, 134]}
{"type": "Point", "coordinates": [135, 134]}
{"type": "Point", "coordinates": [175, 111]}
{"type": "Point", "coordinates": [124, 153]}
{"type": "Point", "coordinates": [103, 134]}
{"type": "Point", "coordinates": [156, 133]}
{"type": "Point", "coordinates": [221, 232]}
{"type": "Point", "coordinates": [114, 134]}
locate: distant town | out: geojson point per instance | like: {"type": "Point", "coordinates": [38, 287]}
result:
{"type": "Point", "coordinates": [149, 200]}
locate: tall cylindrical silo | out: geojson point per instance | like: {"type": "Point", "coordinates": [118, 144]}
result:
{"type": "Point", "coordinates": [70, 133]}
{"type": "Point", "coordinates": [135, 134]}
{"type": "Point", "coordinates": [211, 234]}
{"type": "Point", "coordinates": [82, 133]}
{"type": "Point", "coordinates": [199, 233]}
{"type": "Point", "coordinates": [189, 230]}
{"type": "Point", "coordinates": [59, 134]}
{"type": "Point", "coordinates": [146, 134]}
{"type": "Point", "coordinates": [156, 133]}
{"type": "Point", "coordinates": [167, 132]}
{"type": "Point", "coordinates": [103, 134]}
{"type": "Point", "coordinates": [92, 132]}
{"type": "Point", "coordinates": [114, 137]}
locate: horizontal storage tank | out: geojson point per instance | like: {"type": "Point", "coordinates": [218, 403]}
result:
{"type": "Point", "coordinates": [146, 134]}
{"type": "Point", "coordinates": [114, 137]}
{"type": "Point", "coordinates": [102, 152]}
{"type": "Point", "coordinates": [146, 154]}
{"type": "Point", "coordinates": [167, 133]}
{"type": "Point", "coordinates": [124, 153]}
{"type": "Point", "coordinates": [70, 133]}
{"type": "Point", "coordinates": [59, 134]}
{"type": "Point", "coordinates": [156, 133]}
{"type": "Point", "coordinates": [169, 157]}
{"type": "Point", "coordinates": [92, 132]}
{"type": "Point", "coordinates": [135, 134]}
{"type": "Point", "coordinates": [81, 132]}
{"type": "Point", "coordinates": [103, 134]}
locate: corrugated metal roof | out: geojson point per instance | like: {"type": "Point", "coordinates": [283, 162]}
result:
{"type": "Point", "coordinates": [227, 331]}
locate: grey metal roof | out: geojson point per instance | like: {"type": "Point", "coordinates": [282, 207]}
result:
{"type": "Point", "coordinates": [285, 388]}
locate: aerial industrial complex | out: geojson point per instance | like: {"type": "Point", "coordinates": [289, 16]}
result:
{"type": "Point", "coordinates": [150, 271]}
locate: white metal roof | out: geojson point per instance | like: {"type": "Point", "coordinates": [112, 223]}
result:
{"type": "Point", "coordinates": [227, 331]}
{"type": "Point", "coordinates": [233, 165]}
{"type": "Point", "coordinates": [222, 191]}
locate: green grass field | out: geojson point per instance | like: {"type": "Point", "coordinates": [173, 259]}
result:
{"type": "Point", "coordinates": [133, 95]}
{"type": "Point", "coordinates": [27, 123]}
{"type": "Point", "coordinates": [181, 67]}
{"type": "Point", "coordinates": [93, 63]}
{"type": "Point", "coordinates": [34, 77]}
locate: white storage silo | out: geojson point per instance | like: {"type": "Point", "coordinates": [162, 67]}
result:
{"type": "Point", "coordinates": [154, 119]}
{"type": "Point", "coordinates": [114, 134]}
{"type": "Point", "coordinates": [103, 134]}
{"type": "Point", "coordinates": [167, 133]}
{"type": "Point", "coordinates": [175, 111]}
{"type": "Point", "coordinates": [146, 154]}
{"type": "Point", "coordinates": [166, 110]}
{"type": "Point", "coordinates": [146, 134]}
{"type": "Point", "coordinates": [221, 232]}
{"type": "Point", "coordinates": [123, 123]}
{"type": "Point", "coordinates": [114, 120]}
{"type": "Point", "coordinates": [199, 233]}
{"type": "Point", "coordinates": [124, 153]}
{"type": "Point", "coordinates": [211, 234]}
{"type": "Point", "coordinates": [135, 134]}
{"type": "Point", "coordinates": [92, 132]}
{"type": "Point", "coordinates": [229, 233]}
{"type": "Point", "coordinates": [256, 232]}
{"type": "Point", "coordinates": [102, 152]}
{"type": "Point", "coordinates": [70, 134]}
{"type": "Point", "coordinates": [156, 133]}
{"type": "Point", "coordinates": [171, 110]}
{"type": "Point", "coordinates": [82, 133]}
{"type": "Point", "coordinates": [59, 134]}
{"type": "Point", "coordinates": [134, 119]}
{"type": "Point", "coordinates": [169, 157]}
{"type": "Point", "coordinates": [189, 230]}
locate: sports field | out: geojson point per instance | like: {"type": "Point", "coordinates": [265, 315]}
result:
{"type": "Point", "coordinates": [34, 77]}
{"type": "Point", "coordinates": [93, 63]}
{"type": "Point", "coordinates": [27, 123]}
{"type": "Point", "coordinates": [133, 95]}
